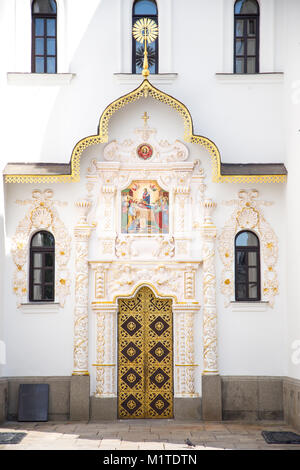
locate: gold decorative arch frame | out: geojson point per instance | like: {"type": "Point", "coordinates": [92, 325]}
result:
{"type": "Point", "coordinates": [143, 91]}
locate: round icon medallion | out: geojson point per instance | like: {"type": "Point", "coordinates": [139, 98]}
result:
{"type": "Point", "coordinates": [145, 151]}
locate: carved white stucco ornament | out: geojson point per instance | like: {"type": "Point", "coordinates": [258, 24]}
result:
{"type": "Point", "coordinates": [121, 279]}
{"type": "Point", "coordinates": [42, 215]}
{"type": "Point", "coordinates": [248, 215]}
{"type": "Point", "coordinates": [162, 151]}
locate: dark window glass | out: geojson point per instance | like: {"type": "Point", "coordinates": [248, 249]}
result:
{"type": "Point", "coordinates": [51, 27]}
{"type": "Point", "coordinates": [44, 6]}
{"type": "Point", "coordinates": [246, 239]}
{"type": "Point", "coordinates": [144, 9]}
{"type": "Point", "coordinates": [246, 36]}
{"type": "Point", "coordinates": [42, 278]}
{"type": "Point", "coordinates": [245, 7]}
{"type": "Point", "coordinates": [39, 26]}
{"type": "Point", "coordinates": [44, 42]}
{"type": "Point", "coordinates": [247, 267]}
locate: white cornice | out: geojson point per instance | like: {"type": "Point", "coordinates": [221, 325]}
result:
{"type": "Point", "coordinates": [249, 306]}
{"type": "Point", "coordinates": [40, 307]}
{"type": "Point", "coordinates": [155, 79]}
{"type": "Point", "coordinates": [250, 79]}
{"type": "Point", "coordinates": [39, 79]}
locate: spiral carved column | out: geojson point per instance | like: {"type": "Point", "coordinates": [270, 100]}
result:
{"type": "Point", "coordinates": [82, 234]}
{"type": "Point", "coordinates": [184, 354]}
{"type": "Point", "coordinates": [210, 339]}
{"type": "Point", "coordinates": [106, 363]}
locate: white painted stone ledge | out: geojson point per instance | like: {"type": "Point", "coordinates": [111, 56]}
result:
{"type": "Point", "coordinates": [136, 79]}
{"type": "Point", "coordinates": [261, 306]}
{"type": "Point", "coordinates": [250, 79]}
{"type": "Point", "coordinates": [40, 307]}
{"type": "Point", "coordinates": [39, 79]}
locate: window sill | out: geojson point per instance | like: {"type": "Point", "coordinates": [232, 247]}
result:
{"type": "Point", "coordinates": [255, 306]}
{"type": "Point", "coordinates": [136, 79]}
{"type": "Point", "coordinates": [259, 78]}
{"type": "Point", "coordinates": [40, 307]}
{"type": "Point", "coordinates": [39, 79]}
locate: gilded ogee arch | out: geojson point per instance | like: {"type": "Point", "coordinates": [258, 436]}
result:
{"type": "Point", "coordinates": [143, 91]}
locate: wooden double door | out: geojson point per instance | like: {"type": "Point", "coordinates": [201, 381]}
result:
{"type": "Point", "coordinates": [145, 356]}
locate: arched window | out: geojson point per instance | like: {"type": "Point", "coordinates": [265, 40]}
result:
{"type": "Point", "coordinates": [144, 9]}
{"type": "Point", "coordinates": [42, 257]}
{"type": "Point", "coordinates": [44, 44]}
{"type": "Point", "coordinates": [247, 267]}
{"type": "Point", "coordinates": [246, 36]}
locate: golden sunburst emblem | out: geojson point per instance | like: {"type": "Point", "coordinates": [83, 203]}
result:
{"type": "Point", "coordinates": [145, 31]}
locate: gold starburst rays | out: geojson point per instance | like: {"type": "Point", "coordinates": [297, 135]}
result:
{"type": "Point", "coordinates": [145, 29]}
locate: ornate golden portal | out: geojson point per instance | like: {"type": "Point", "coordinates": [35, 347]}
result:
{"type": "Point", "coordinates": [145, 356]}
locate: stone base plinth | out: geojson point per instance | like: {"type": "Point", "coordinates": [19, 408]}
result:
{"type": "Point", "coordinates": [187, 408]}
{"type": "Point", "coordinates": [103, 409]}
{"type": "Point", "coordinates": [80, 398]}
{"type": "Point", "coordinates": [211, 398]}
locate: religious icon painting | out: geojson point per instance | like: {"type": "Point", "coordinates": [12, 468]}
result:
{"type": "Point", "coordinates": [145, 208]}
{"type": "Point", "coordinates": [145, 151]}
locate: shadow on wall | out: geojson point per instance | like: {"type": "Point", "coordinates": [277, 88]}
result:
{"type": "Point", "coordinates": [78, 107]}
{"type": "Point", "coordinates": [2, 257]}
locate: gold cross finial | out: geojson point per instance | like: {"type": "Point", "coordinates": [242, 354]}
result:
{"type": "Point", "coordinates": [145, 118]}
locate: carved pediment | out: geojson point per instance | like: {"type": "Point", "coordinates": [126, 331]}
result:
{"type": "Point", "coordinates": [146, 147]}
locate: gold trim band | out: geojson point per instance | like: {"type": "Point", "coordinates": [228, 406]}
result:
{"type": "Point", "coordinates": [104, 365]}
{"type": "Point", "coordinates": [186, 365]}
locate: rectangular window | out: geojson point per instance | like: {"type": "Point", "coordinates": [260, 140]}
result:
{"type": "Point", "coordinates": [44, 44]}
{"type": "Point", "coordinates": [246, 44]}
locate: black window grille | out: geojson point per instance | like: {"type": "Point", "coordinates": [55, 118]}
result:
{"type": "Point", "coordinates": [144, 9]}
{"type": "Point", "coordinates": [246, 36]}
{"type": "Point", "coordinates": [42, 267]}
{"type": "Point", "coordinates": [247, 267]}
{"type": "Point", "coordinates": [44, 36]}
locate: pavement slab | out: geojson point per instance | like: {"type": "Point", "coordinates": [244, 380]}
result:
{"type": "Point", "coordinates": [144, 435]}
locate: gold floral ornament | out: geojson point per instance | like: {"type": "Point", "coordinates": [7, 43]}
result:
{"type": "Point", "coordinates": [248, 218]}
{"type": "Point", "coordinates": [145, 31]}
{"type": "Point", "coordinates": [41, 218]}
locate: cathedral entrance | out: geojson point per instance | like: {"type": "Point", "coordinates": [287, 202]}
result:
{"type": "Point", "coordinates": [145, 356]}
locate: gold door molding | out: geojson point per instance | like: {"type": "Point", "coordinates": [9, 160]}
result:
{"type": "Point", "coordinates": [145, 356]}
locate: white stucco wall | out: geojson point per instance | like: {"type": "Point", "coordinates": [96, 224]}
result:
{"type": "Point", "coordinates": [253, 120]}
{"type": "Point", "coordinates": [250, 343]}
{"type": "Point", "coordinates": [292, 118]}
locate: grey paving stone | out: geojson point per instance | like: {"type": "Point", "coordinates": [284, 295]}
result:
{"type": "Point", "coordinates": [168, 435]}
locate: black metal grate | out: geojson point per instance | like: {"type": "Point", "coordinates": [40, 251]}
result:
{"type": "Point", "coordinates": [282, 437]}
{"type": "Point", "coordinates": [11, 437]}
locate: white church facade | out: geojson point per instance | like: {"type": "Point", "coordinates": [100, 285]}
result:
{"type": "Point", "coordinates": [149, 250]}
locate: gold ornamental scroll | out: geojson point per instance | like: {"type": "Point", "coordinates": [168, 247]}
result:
{"type": "Point", "coordinates": [145, 357]}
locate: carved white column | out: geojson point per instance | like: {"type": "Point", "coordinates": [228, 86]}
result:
{"type": "Point", "coordinates": [82, 234]}
{"type": "Point", "coordinates": [210, 339]}
{"type": "Point", "coordinates": [106, 351]}
{"type": "Point", "coordinates": [108, 230]}
{"type": "Point", "coordinates": [184, 353]}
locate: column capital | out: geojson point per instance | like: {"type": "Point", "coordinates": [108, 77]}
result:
{"type": "Point", "coordinates": [82, 232]}
{"type": "Point", "coordinates": [208, 232]}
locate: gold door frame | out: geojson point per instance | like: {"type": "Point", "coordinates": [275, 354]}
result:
{"type": "Point", "coordinates": [145, 356]}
